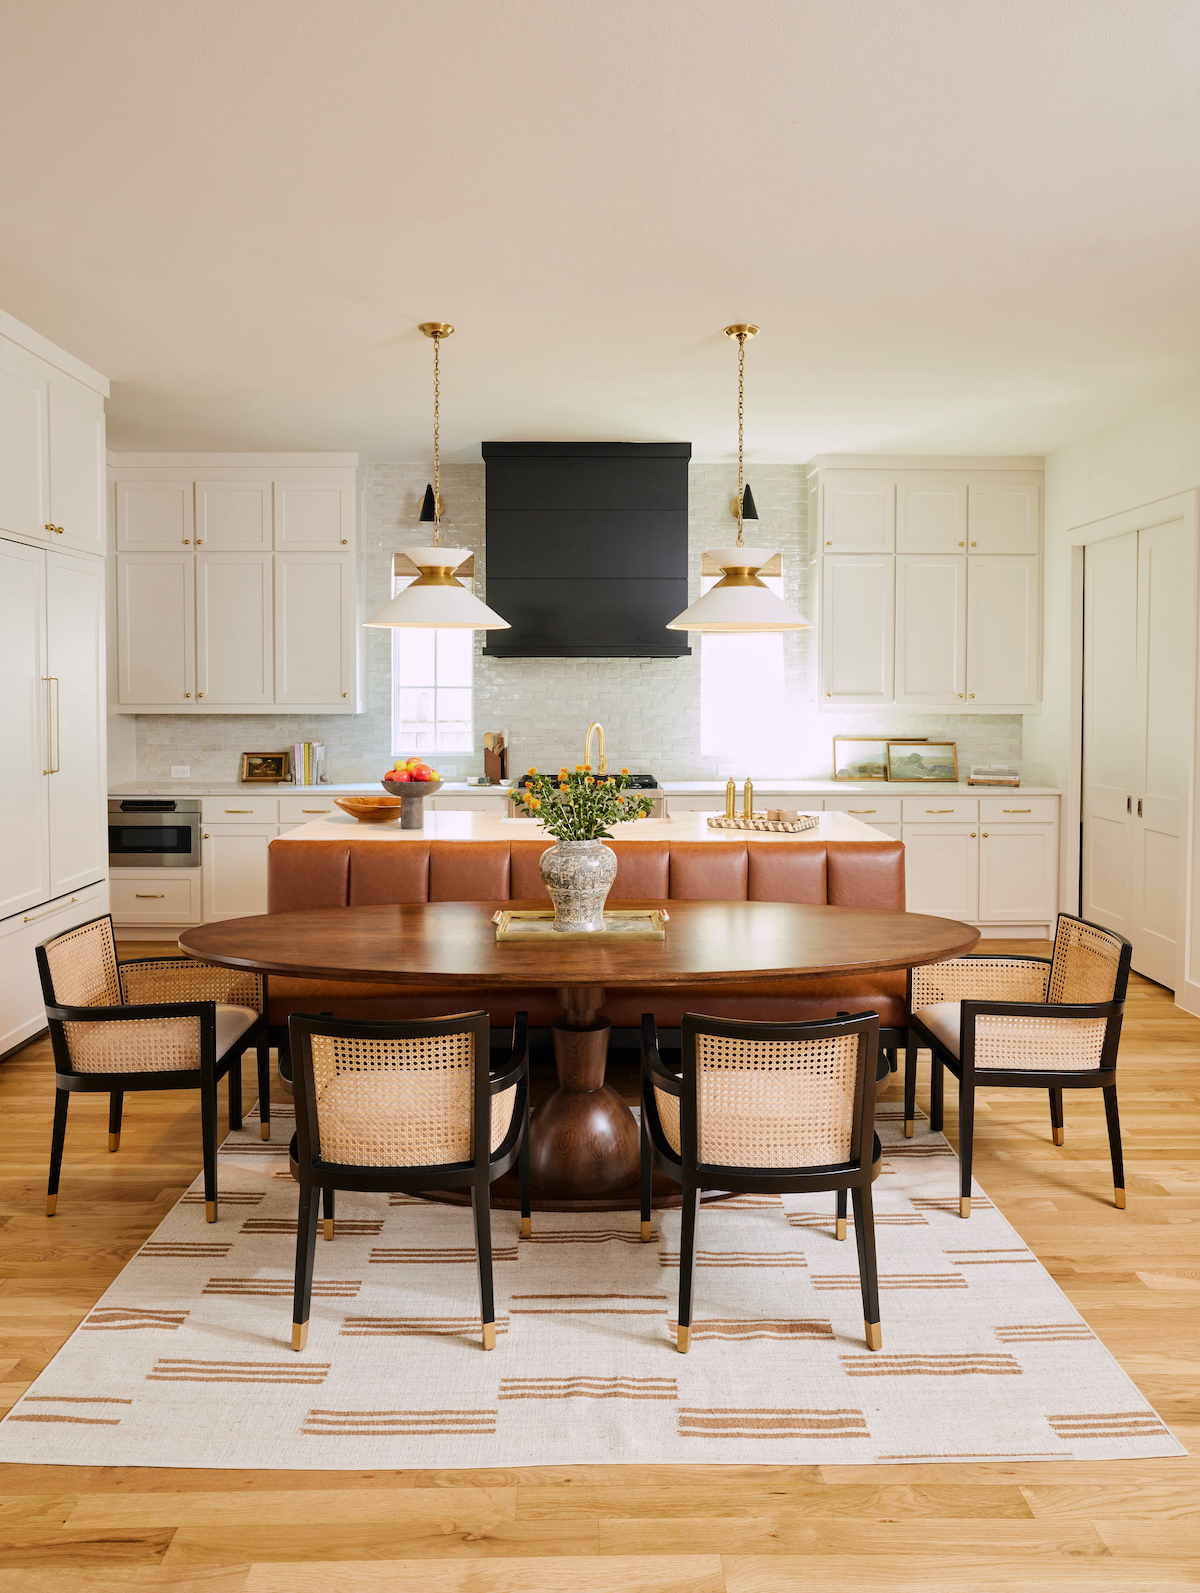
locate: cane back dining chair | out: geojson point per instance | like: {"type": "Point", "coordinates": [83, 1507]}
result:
{"type": "Point", "coordinates": [1025, 1023]}
{"type": "Point", "coordinates": [154, 1023]}
{"type": "Point", "coordinates": [759, 1108]}
{"type": "Point", "coordinates": [407, 1107]}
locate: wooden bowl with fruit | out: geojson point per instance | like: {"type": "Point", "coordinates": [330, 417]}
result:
{"type": "Point", "coordinates": [412, 780]}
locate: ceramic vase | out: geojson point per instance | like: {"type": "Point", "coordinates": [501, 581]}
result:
{"type": "Point", "coordinates": [579, 876]}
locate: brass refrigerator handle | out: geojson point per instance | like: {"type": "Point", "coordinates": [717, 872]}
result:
{"type": "Point", "coordinates": [53, 704]}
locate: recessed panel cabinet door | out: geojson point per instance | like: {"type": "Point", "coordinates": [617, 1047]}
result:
{"type": "Point", "coordinates": [941, 869]}
{"type": "Point", "coordinates": [24, 723]}
{"type": "Point", "coordinates": [154, 514]}
{"type": "Point", "coordinates": [75, 660]}
{"type": "Point", "coordinates": [233, 514]}
{"type": "Point", "coordinates": [931, 514]}
{"type": "Point", "coordinates": [312, 515]}
{"type": "Point", "coordinates": [76, 465]}
{"type": "Point", "coordinates": [1111, 762]}
{"type": "Point", "coordinates": [233, 869]}
{"type": "Point", "coordinates": [235, 660]}
{"type": "Point", "coordinates": [1018, 869]}
{"type": "Point", "coordinates": [314, 628]}
{"type": "Point", "coordinates": [156, 630]}
{"type": "Point", "coordinates": [1003, 632]}
{"type": "Point", "coordinates": [1004, 516]}
{"type": "Point", "coordinates": [857, 628]}
{"type": "Point", "coordinates": [24, 452]}
{"type": "Point", "coordinates": [931, 628]}
{"type": "Point", "coordinates": [859, 512]}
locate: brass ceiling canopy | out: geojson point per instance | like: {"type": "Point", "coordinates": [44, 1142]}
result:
{"type": "Point", "coordinates": [740, 329]}
{"type": "Point", "coordinates": [442, 328]}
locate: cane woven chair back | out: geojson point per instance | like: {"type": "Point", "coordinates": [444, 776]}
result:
{"type": "Point", "coordinates": [163, 979]}
{"type": "Point", "coordinates": [83, 967]}
{"type": "Point", "coordinates": [775, 1103]}
{"type": "Point", "coordinates": [979, 979]}
{"type": "Point", "coordinates": [1085, 964]}
{"type": "Point", "coordinates": [400, 1103]}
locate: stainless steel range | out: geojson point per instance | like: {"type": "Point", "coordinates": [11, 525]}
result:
{"type": "Point", "coordinates": [153, 832]}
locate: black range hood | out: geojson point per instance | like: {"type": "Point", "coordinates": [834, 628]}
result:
{"type": "Point", "coordinates": [587, 547]}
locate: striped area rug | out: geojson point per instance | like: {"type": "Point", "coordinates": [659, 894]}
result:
{"type": "Point", "coordinates": [186, 1361]}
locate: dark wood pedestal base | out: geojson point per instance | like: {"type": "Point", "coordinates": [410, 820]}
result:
{"type": "Point", "coordinates": [583, 1139]}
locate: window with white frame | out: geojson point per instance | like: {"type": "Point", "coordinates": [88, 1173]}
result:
{"type": "Point", "coordinates": [432, 673]}
{"type": "Point", "coordinates": [744, 714]}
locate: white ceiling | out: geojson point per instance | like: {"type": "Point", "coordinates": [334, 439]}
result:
{"type": "Point", "coordinates": [963, 225]}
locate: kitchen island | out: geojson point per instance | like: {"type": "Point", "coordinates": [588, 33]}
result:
{"type": "Point", "coordinates": [441, 825]}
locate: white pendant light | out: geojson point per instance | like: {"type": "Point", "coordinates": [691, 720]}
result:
{"type": "Point", "coordinates": [436, 598]}
{"type": "Point", "coordinates": [740, 601]}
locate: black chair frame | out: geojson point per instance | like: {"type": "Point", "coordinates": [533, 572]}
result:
{"type": "Point", "coordinates": [318, 1178]}
{"type": "Point", "coordinates": [854, 1176]}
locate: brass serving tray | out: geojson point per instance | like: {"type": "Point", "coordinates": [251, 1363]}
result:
{"type": "Point", "coordinates": [529, 923]}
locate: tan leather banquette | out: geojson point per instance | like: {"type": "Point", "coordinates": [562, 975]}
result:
{"type": "Point", "coordinates": [360, 873]}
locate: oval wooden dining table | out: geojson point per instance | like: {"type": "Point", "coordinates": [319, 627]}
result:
{"type": "Point", "coordinates": [584, 1141]}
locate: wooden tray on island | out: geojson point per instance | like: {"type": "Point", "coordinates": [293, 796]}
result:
{"type": "Point", "coordinates": [529, 923]}
{"type": "Point", "coordinates": [806, 821]}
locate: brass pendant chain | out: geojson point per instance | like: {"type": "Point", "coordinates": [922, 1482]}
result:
{"type": "Point", "coordinates": [741, 404]}
{"type": "Point", "coordinates": [437, 475]}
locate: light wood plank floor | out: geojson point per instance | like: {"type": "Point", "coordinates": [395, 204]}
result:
{"type": "Point", "coordinates": [1105, 1528]}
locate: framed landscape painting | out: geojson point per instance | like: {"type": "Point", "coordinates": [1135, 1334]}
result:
{"type": "Point", "coordinates": [926, 761]}
{"type": "Point", "coordinates": [863, 757]}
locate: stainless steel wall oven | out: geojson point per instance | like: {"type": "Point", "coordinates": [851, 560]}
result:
{"type": "Point", "coordinates": [153, 832]}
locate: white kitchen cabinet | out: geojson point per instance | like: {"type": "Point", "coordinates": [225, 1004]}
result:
{"type": "Point", "coordinates": [1004, 617]}
{"type": "Point", "coordinates": [154, 513]}
{"type": "Point", "coordinates": [233, 514]}
{"type": "Point", "coordinates": [166, 896]}
{"type": "Point", "coordinates": [24, 443]}
{"type": "Point", "coordinates": [77, 790]}
{"type": "Point", "coordinates": [941, 869]}
{"type": "Point", "coordinates": [312, 516]}
{"type": "Point", "coordinates": [931, 513]}
{"type": "Point", "coordinates": [233, 866]}
{"type": "Point", "coordinates": [22, 1008]}
{"type": "Point", "coordinates": [869, 808]}
{"type": "Point", "coordinates": [1018, 867]}
{"type": "Point", "coordinates": [859, 512]}
{"type": "Point", "coordinates": [24, 722]}
{"type": "Point", "coordinates": [857, 628]}
{"type": "Point", "coordinates": [156, 630]}
{"type": "Point", "coordinates": [296, 810]}
{"type": "Point", "coordinates": [76, 417]}
{"type": "Point", "coordinates": [703, 802]}
{"type": "Point", "coordinates": [235, 662]}
{"type": "Point", "coordinates": [314, 629]}
{"type": "Point", "coordinates": [931, 628]}
{"type": "Point", "coordinates": [1004, 515]}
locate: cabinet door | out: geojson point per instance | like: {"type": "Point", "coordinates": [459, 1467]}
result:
{"type": "Point", "coordinates": [75, 658]}
{"type": "Point", "coordinates": [156, 634]}
{"type": "Point", "coordinates": [22, 1007]}
{"type": "Point", "coordinates": [76, 465]}
{"type": "Point", "coordinates": [233, 514]}
{"type": "Point", "coordinates": [931, 628]}
{"type": "Point", "coordinates": [859, 512]}
{"type": "Point", "coordinates": [1003, 632]}
{"type": "Point", "coordinates": [931, 514]}
{"type": "Point", "coordinates": [941, 869]}
{"type": "Point", "coordinates": [857, 628]}
{"type": "Point", "coordinates": [24, 452]}
{"type": "Point", "coordinates": [154, 514]}
{"type": "Point", "coordinates": [234, 644]}
{"type": "Point", "coordinates": [233, 869]}
{"type": "Point", "coordinates": [1018, 870]}
{"type": "Point", "coordinates": [24, 721]}
{"type": "Point", "coordinates": [314, 628]}
{"type": "Point", "coordinates": [312, 515]}
{"type": "Point", "coordinates": [1004, 516]}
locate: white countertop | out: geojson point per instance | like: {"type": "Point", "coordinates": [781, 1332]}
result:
{"type": "Point", "coordinates": [762, 788]}
{"type": "Point", "coordinates": [449, 826]}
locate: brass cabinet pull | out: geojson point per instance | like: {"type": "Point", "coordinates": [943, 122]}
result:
{"type": "Point", "coordinates": [939, 810]}
{"type": "Point", "coordinates": [187, 542]}
{"type": "Point", "coordinates": [1018, 810]}
{"type": "Point", "coordinates": [311, 810]}
{"type": "Point", "coordinates": [31, 918]}
{"type": "Point", "coordinates": [862, 810]}
{"type": "Point", "coordinates": [148, 896]}
{"type": "Point", "coordinates": [207, 837]}
{"type": "Point", "coordinates": [187, 694]}
{"type": "Point", "coordinates": [972, 834]}
{"type": "Point", "coordinates": [960, 694]}
{"type": "Point", "coordinates": [345, 694]}
{"type": "Point", "coordinates": [972, 695]}
{"type": "Point", "coordinates": [239, 810]}
{"type": "Point", "coordinates": [199, 694]}
{"type": "Point", "coordinates": [199, 540]}
{"type": "Point", "coordinates": [985, 835]}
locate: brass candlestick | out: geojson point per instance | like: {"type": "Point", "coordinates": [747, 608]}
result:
{"type": "Point", "coordinates": [731, 798]}
{"type": "Point", "coordinates": [748, 799]}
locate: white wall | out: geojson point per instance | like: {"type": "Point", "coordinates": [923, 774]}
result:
{"type": "Point", "coordinates": [1152, 455]}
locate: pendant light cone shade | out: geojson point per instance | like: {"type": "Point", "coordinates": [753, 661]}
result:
{"type": "Point", "coordinates": [435, 598]}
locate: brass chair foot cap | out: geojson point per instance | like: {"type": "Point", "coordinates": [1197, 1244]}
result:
{"type": "Point", "coordinates": [681, 1339]}
{"type": "Point", "coordinates": [489, 1335]}
{"type": "Point", "coordinates": [51, 1203]}
{"type": "Point", "coordinates": [299, 1335]}
{"type": "Point", "coordinates": [1119, 1197]}
{"type": "Point", "coordinates": [114, 1141]}
{"type": "Point", "coordinates": [841, 1227]}
{"type": "Point", "coordinates": [647, 1233]}
{"type": "Point", "coordinates": [874, 1332]}
{"type": "Point", "coordinates": [1060, 1136]}
{"type": "Point", "coordinates": [210, 1211]}
{"type": "Point", "coordinates": [908, 1127]}
{"type": "Point", "coordinates": [964, 1206]}
{"type": "Point", "coordinates": [526, 1227]}
{"type": "Point", "coordinates": [265, 1130]}
{"type": "Point", "coordinates": [329, 1227]}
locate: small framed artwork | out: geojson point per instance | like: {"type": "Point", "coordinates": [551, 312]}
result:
{"type": "Point", "coordinates": [928, 761]}
{"type": "Point", "coordinates": [269, 767]}
{"type": "Point", "coordinates": [862, 757]}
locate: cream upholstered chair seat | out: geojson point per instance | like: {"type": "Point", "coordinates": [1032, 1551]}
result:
{"type": "Point", "coordinates": [232, 1023]}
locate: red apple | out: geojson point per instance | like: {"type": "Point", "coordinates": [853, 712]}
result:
{"type": "Point", "coordinates": [422, 772]}
{"type": "Point", "coordinates": [399, 775]}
